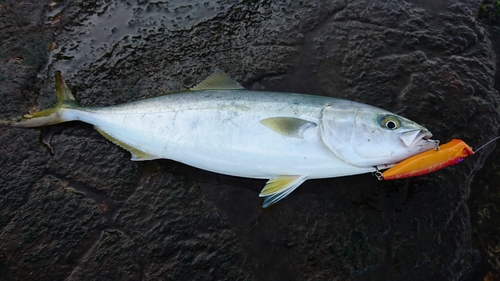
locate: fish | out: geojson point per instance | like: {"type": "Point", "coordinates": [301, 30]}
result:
{"type": "Point", "coordinates": [219, 126]}
{"type": "Point", "coordinates": [450, 153]}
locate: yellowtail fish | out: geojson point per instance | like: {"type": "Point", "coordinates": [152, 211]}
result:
{"type": "Point", "coordinates": [221, 127]}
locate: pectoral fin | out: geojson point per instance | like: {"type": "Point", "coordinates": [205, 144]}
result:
{"type": "Point", "coordinates": [288, 126]}
{"type": "Point", "coordinates": [278, 188]}
{"type": "Point", "coordinates": [137, 155]}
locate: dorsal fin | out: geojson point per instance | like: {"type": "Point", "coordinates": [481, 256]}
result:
{"type": "Point", "coordinates": [218, 81]}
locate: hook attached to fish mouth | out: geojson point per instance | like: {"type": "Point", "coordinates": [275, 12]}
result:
{"type": "Point", "coordinates": [410, 138]}
{"type": "Point", "coordinates": [426, 135]}
{"type": "Point", "coordinates": [435, 142]}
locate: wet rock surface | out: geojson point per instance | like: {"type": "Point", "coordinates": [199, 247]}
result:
{"type": "Point", "coordinates": [484, 200]}
{"type": "Point", "coordinates": [87, 212]}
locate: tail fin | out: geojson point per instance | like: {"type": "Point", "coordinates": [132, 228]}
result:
{"type": "Point", "coordinates": [65, 99]}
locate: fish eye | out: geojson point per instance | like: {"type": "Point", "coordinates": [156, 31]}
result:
{"type": "Point", "coordinates": [390, 122]}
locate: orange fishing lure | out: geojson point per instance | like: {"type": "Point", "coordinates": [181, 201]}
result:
{"type": "Point", "coordinates": [430, 161]}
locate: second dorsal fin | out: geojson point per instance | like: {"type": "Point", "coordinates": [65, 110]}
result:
{"type": "Point", "coordinates": [218, 81]}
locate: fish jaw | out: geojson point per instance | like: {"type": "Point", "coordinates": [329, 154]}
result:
{"type": "Point", "coordinates": [417, 139]}
{"type": "Point", "coordinates": [414, 134]}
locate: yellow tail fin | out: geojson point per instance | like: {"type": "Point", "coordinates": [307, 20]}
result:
{"type": "Point", "coordinates": [65, 99]}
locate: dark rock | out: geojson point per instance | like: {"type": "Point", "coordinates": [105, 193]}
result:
{"type": "Point", "coordinates": [484, 200]}
{"type": "Point", "coordinates": [50, 233]}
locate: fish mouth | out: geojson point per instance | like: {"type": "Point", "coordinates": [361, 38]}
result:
{"type": "Point", "coordinates": [413, 137]}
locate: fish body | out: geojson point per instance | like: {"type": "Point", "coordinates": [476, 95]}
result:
{"type": "Point", "coordinates": [221, 127]}
{"type": "Point", "coordinates": [221, 131]}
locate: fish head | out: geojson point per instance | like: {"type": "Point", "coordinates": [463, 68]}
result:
{"type": "Point", "coordinates": [365, 136]}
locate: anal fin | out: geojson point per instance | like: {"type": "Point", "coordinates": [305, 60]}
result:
{"type": "Point", "coordinates": [137, 155]}
{"type": "Point", "coordinates": [279, 187]}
